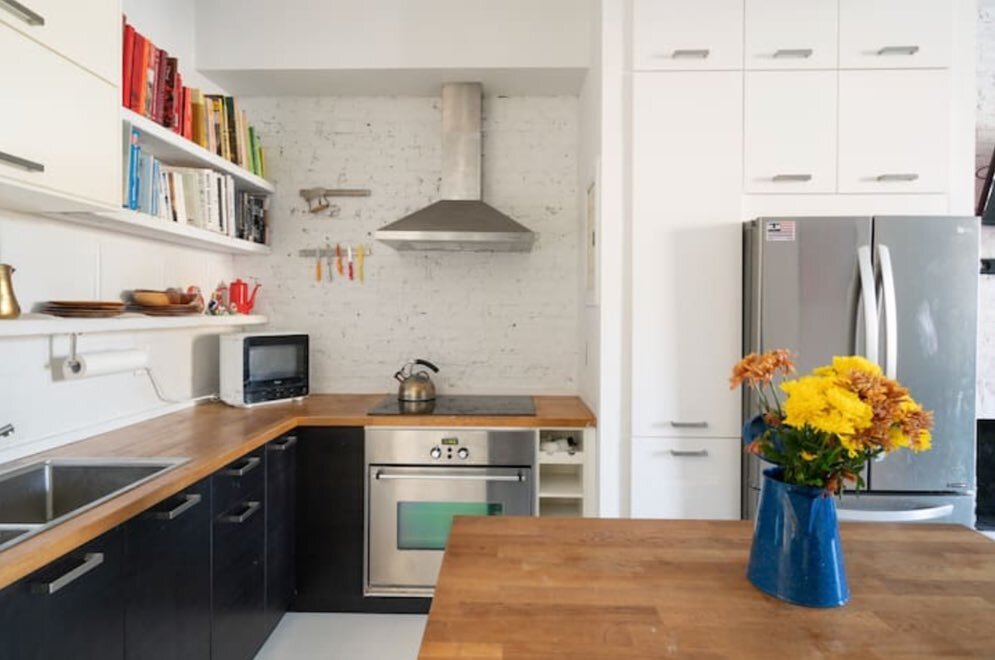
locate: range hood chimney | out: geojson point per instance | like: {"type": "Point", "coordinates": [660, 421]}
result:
{"type": "Point", "coordinates": [460, 220]}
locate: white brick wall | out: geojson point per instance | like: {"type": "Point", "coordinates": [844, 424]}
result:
{"type": "Point", "coordinates": [986, 141]}
{"type": "Point", "coordinates": [494, 323]}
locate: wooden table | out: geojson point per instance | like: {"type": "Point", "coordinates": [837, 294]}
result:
{"type": "Point", "coordinates": [590, 588]}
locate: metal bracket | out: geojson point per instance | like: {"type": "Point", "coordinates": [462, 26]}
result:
{"type": "Point", "coordinates": [317, 198]}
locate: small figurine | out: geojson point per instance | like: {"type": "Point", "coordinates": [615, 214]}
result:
{"type": "Point", "coordinates": [218, 305]}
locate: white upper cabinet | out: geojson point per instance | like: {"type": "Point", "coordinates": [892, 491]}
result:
{"type": "Point", "coordinates": [687, 34]}
{"type": "Point", "coordinates": [790, 140]}
{"type": "Point", "coordinates": [791, 34]}
{"type": "Point", "coordinates": [895, 34]}
{"type": "Point", "coordinates": [88, 33]}
{"type": "Point", "coordinates": [895, 131]}
{"type": "Point", "coordinates": [686, 252]}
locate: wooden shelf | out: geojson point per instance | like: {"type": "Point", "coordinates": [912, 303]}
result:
{"type": "Point", "coordinates": [43, 324]}
{"type": "Point", "coordinates": [174, 149]}
{"type": "Point", "coordinates": [560, 485]}
{"type": "Point", "coordinates": [126, 221]}
{"type": "Point", "coordinates": [561, 458]}
{"type": "Point", "coordinates": [560, 508]}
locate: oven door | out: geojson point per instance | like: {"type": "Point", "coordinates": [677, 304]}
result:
{"type": "Point", "coordinates": [411, 510]}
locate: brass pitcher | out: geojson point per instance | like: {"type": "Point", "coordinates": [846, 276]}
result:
{"type": "Point", "coordinates": [9, 309]}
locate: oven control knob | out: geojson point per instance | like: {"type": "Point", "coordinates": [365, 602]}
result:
{"type": "Point", "coordinates": [436, 452]}
{"type": "Point", "coordinates": [463, 452]}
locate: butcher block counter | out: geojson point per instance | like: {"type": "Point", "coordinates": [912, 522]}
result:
{"type": "Point", "coordinates": [598, 588]}
{"type": "Point", "coordinates": [211, 436]}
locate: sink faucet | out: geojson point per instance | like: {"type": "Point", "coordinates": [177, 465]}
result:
{"type": "Point", "coordinates": [6, 429]}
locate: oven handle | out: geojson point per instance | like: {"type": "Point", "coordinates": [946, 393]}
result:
{"type": "Point", "coordinates": [519, 477]}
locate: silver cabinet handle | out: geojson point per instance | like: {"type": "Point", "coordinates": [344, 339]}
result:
{"type": "Point", "coordinates": [801, 53]}
{"type": "Point", "coordinates": [868, 293]}
{"type": "Point", "coordinates": [890, 312]}
{"type": "Point", "coordinates": [90, 561]}
{"type": "Point", "coordinates": [689, 452]}
{"type": "Point", "coordinates": [22, 12]}
{"type": "Point", "coordinates": [900, 176]}
{"type": "Point", "coordinates": [23, 163]}
{"type": "Point", "coordinates": [381, 475]}
{"type": "Point", "coordinates": [691, 53]}
{"type": "Point", "coordinates": [898, 50]}
{"type": "Point", "coordinates": [689, 425]}
{"type": "Point", "coordinates": [237, 519]}
{"type": "Point", "coordinates": [286, 444]}
{"type": "Point", "coordinates": [251, 463]}
{"type": "Point", "coordinates": [189, 502]}
{"type": "Point", "coordinates": [784, 178]}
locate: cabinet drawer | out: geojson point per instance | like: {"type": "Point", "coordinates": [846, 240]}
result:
{"type": "Point", "coordinates": [790, 141]}
{"type": "Point", "coordinates": [893, 34]}
{"type": "Point", "coordinates": [240, 481]}
{"type": "Point", "coordinates": [687, 34]}
{"type": "Point", "coordinates": [686, 478]}
{"type": "Point", "coordinates": [87, 33]}
{"type": "Point", "coordinates": [790, 34]}
{"type": "Point", "coordinates": [62, 122]}
{"type": "Point", "coordinates": [895, 131]}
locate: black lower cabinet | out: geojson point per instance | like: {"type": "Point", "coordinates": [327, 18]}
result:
{"type": "Point", "coordinates": [238, 621]}
{"type": "Point", "coordinates": [168, 579]}
{"type": "Point", "coordinates": [330, 510]}
{"type": "Point", "coordinates": [281, 505]}
{"type": "Point", "coordinates": [72, 609]}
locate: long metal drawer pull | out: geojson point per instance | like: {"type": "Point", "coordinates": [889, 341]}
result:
{"type": "Point", "coordinates": [898, 50]}
{"type": "Point", "coordinates": [237, 519]}
{"type": "Point", "coordinates": [453, 477]}
{"type": "Point", "coordinates": [783, 178]}
{"type": "Point", "coordinates": [90, 561]}
{"type": "Point", "coordinates": [689, 425]}
{"type": "Point", "coordinates": [23, 163]}
{"type": "Point", "coordinates": [22, 12]}
{"type": "Point", "coordinates": [902, 176]}
{"type": "Point", "coordinates": [189, 502]}
{"type": "Point", "coordinates": [689, 452]}
{"type": "Point", "coordinates": [793, 52]}
{"type": "Point", "coordinates": [251, 463]}
{"type": "Point", "coordinates": [691, 53]}
{"type": "Point", "coordinates": [287, 443]}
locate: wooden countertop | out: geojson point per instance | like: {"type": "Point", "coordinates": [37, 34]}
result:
{"type": "Point", "coordinates": [590, 588]}
{"type": "Point", "coordinates": [213, 435]}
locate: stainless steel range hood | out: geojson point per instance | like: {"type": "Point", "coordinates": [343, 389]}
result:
{"type": "Point", "coordinates": [460, 220]}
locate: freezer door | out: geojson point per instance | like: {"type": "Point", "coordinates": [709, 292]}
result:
{"type": "Point", "coordinates": [929, 326]}
{"type": "Point", "coordinates": [898, 508]}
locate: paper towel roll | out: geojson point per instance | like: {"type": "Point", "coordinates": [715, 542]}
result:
{"type": "Point", "coordinates": [106, 362]}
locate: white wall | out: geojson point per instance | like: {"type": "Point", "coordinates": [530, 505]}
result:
{"type": "Point", "coordinates": [986, 142]}
{"type": "Point", "coordinates": [494, 323]}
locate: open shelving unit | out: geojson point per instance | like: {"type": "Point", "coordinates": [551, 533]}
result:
{"type": "Point", "coordinates": [29, 325]}
{"type": "Point", "coordinates": [565, 487]}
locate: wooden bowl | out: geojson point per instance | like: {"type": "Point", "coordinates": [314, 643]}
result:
{"type": "Point", "coordinates": [150, 298]}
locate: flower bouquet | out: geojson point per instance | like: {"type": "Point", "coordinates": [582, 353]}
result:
{"type": "Point", "coordinates": [830, 423]}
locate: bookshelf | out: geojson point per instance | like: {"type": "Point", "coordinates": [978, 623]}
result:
{"type": "Point", "coordinates": [29, 325]}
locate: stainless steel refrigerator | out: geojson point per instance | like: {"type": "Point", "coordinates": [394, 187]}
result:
{"type": "Point", "coordinates": [902, 291]}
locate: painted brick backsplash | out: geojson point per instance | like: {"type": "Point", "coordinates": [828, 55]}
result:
{"type": "Point", "coordinates": [493, 323]}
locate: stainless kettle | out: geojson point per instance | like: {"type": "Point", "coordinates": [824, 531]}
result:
{"type": "Point", "coordinates": [416, 386]}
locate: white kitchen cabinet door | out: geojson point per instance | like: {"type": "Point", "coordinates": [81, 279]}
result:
{"type": "Point", "coordinates": [791, 34]}
{"type": "Point", "coordinates": [60, 118]}
{"type": "Point", "coordinates": [686, 252]}
{"type": "Point", "coordinates": [894, 34]}
{"type": "Point", "coordinates": [790, 132]}
{"type": "Point", "coordinates": [88, 33]}
{"type": "Point", "coordinates": [895, 131]}
{"type": "Point", "coordinates": [687, 34]}
{"type": "Point", "coordinates": [686, 478]}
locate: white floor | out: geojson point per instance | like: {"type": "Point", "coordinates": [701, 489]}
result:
{"type": "Point", "coordinates": [345, 637]}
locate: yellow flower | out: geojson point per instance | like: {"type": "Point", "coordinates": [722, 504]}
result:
{"type": "Point", "coordinates": [851, 444]}
{"type": "Point", "coordinates": [806, 456]}
{"type": "Point", "coordinates": [923, 442]}
{"type": "Point", "coordinates": [842, 365]}
{"type": "Point", "coordinates": [817, 401]}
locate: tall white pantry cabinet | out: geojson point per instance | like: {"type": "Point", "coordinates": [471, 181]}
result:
{"type": "Point", "coordinates": [739, 105]}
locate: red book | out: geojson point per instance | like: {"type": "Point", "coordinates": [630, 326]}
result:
{"type": "Point", "coordinates": [176, 113]}
{"type": "Point", "coordinates": [129, 54]}
{"type": "Point", "coordinates": [138, 74]}
{"type": "Point", "coordinates": [161, 87]}
{"type": "Point", "coordinates": [165, 92]}
{"type": "Point", "coordinates": [187, 114]}
{"type": "Point", "coordinates": [150, 82]}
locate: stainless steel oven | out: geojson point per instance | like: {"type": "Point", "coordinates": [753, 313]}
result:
{"type": "Point", "coordinates": [417, 480]}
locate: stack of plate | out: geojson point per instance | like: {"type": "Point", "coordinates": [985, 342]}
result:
{"type": "Point", "coordinates": [82, 308]}
{"type": "Point", "coordinates": [167, 310]}
{"type": "Point", "coordinates": [165, 303]}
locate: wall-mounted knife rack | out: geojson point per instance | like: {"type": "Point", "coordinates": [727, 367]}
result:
{"type": "Point", "coordinates": [313, 253]}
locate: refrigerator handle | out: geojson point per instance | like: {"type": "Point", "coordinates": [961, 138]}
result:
{"type": "Point", "coordinates": [869, 296]}
{"type": "Point", "coordinates": [890, 313]}
{"type": "Point", "coordinates": [844, 514]}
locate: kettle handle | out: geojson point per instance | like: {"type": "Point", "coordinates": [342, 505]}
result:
{"type": "Point", "coordinates": [426, 363]}
{"type": "Point", "coordinates": [400, 375]}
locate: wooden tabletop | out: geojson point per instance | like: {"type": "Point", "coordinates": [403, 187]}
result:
{"type": "Point", "coordinates": [213, 435]}
{"type": "Point", "coordinates": [589, 588]}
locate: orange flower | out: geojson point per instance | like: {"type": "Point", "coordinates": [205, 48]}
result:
{"type": "Point", "coordinates": [760, 369]}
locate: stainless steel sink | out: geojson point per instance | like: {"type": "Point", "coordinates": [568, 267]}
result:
{"type": "Point", "coordinates": [37, 496]}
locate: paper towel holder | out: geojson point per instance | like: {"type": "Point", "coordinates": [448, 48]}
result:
{"type": "Point", "coordinates": [73, 360]}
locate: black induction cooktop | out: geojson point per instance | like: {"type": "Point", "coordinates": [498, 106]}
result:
{"type": "Point", "coordinates": [515, 406]}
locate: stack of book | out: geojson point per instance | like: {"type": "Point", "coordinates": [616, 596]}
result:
{"type": "Point", "coordinates": [152, 86]}
{"type": "Point", "coordinates": [200, 197]}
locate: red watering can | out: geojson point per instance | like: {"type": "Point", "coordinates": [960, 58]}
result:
{"type": "Point", "coordinates": [238, 295]}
